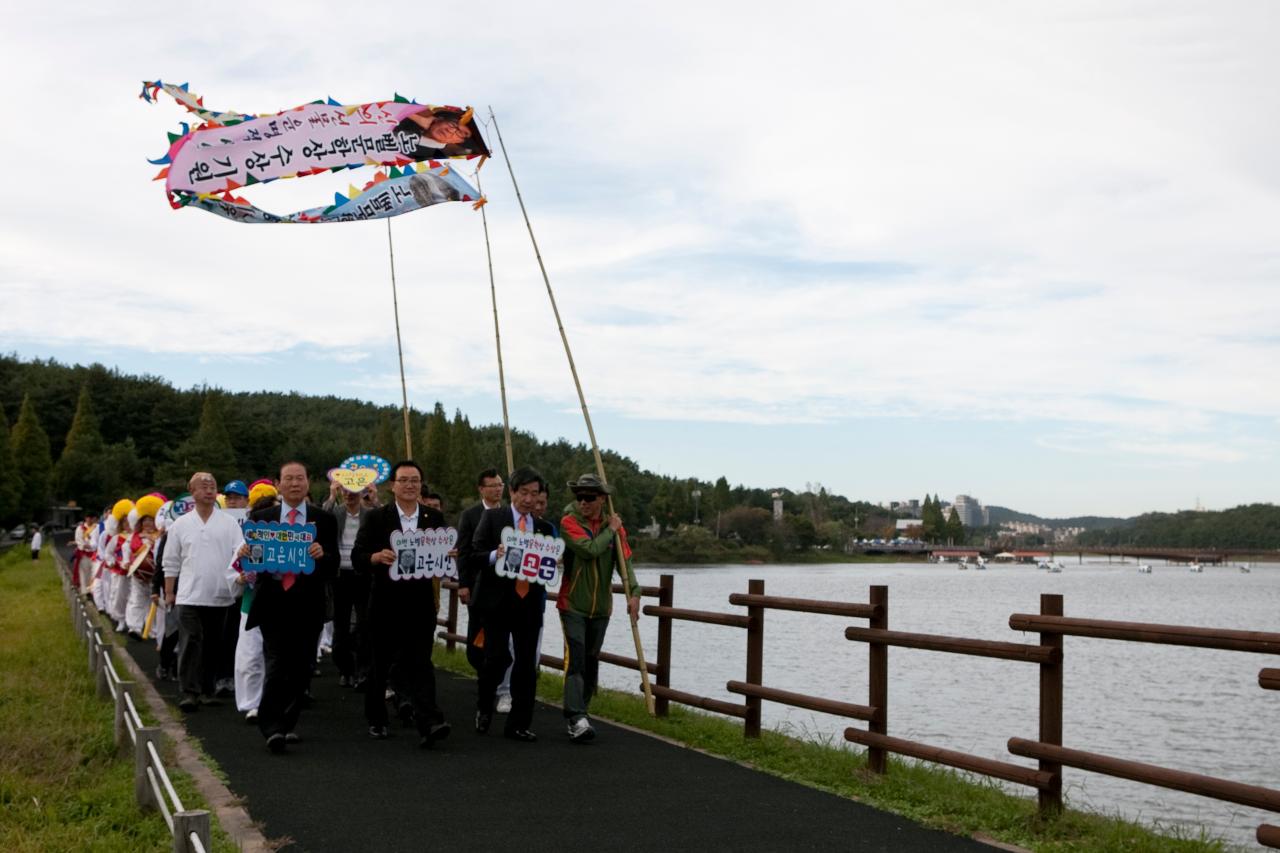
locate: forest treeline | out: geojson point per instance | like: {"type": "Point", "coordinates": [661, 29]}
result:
{"type": "Point", "coordinates": [91, 435]}
{"type": "Point", "coordinates": [1253, 526]}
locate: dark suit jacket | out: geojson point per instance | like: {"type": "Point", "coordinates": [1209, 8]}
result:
{"type": "Point", "coordinates": [374, 536]}
{"type": "Point", "coordinates": [489, 590]}
{"type": "Point", "coordinates": [467, 523]}
{"type": "Point", "coordinates": [303, 603]}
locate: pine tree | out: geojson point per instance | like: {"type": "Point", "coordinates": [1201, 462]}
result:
{"type": "Point", "coordinates": [389, 441]}
{"type": "Point", "coordinates": [463, 466]}
{"type": "Point", "coordinates": [955, 530]}
{"type": "Point", "coordinates": [10, 483]}
{"type": "Point", "coordinates": [436, 454]}
{"type": "Point", "coordinates": [32, 461]}
{"type": "Point", "coordinates": [80, 474]}
{"type": "Point", "coordinates": [209, 449]}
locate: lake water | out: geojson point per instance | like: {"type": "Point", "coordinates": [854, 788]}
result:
{"type": "Point", "coordinates": [1198, 710]}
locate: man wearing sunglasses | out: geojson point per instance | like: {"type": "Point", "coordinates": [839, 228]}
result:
{"type": "Point", "coordinates": [586, 598]}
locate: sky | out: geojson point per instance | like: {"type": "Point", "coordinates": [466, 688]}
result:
{"type": "Point", "coordinates": [1027, 252]}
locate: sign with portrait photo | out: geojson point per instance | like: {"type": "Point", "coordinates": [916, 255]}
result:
{"type": "Point", "coordinates": [279, 548]}
{"type": "Point", "coordinates": [423, 554]}
{"type": "Point", "coordinates": [529, 556]}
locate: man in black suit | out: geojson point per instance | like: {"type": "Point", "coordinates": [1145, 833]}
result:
{"type": "Point", "coordinates": [489, 484]}
{"type": "Point", "coordinates": [401, 611]}
{"type": "Point", "coordinates": [509, 609]}
{"type": "Point", "coordinates": [290, 609]}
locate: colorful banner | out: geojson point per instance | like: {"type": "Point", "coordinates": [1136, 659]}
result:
{"type": "Point", "coordinates": [423, 554]}
{"type": "Point", "coordinates": [204, 166]}
{"type": "Point", "coordinates": [279, 548]}
{"type": "Point", "coordinates": [531, 557]}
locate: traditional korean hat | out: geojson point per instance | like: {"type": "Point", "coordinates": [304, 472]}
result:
{"type": "Point", "coordinates": [122, 508]}
{"type": "Point", "coordinates": [148, 505]}
{"type": "Point", "coordinates": [261, 489]}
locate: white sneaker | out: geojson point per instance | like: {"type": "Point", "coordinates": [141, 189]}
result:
{"type": "Point", "coordinates": [580, 730]}
{"type": "Point", "coordinates": [504, 705]}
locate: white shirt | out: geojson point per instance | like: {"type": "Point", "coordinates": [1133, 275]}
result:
{"type": "Point", "coordinates": [37, 540]}
{"type": "Point", "coordinates": [198, 551]}
{"type": "Point", "coordinates": [347, 540]}
{"type": "Point", "coordinates": [302, 513]}
{"type": "Point", "coordinates": [408, 522]}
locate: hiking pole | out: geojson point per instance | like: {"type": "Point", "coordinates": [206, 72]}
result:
{"type": "Point", "coordinates": [586, 415]}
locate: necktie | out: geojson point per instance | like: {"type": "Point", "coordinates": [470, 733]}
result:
{"type": "Point", "coordinates": [522, 586]}
{"type": "Point", "coordinates": [289, 578]}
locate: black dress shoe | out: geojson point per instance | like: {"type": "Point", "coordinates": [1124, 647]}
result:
{"type": "Point", "coordinates": [344, 681]}
{"type": "Point", "coordinates": [189, 703]}
{"type": "Point", "coordinates": [520, 734]}
{"type": "Point", "coordinates": [276, 743]}
{"type": "Point", "coordinates": [405, 712]}
{"type": "Point", "coordinates": [292, 737]}
{"type": "Point", "coordinates": [378, 732]}
{"type": "Point", "coordinates": [439, 731]}
{"type": "Point", "coordinates": [483, 721]}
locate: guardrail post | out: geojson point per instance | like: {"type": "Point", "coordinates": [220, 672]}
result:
{"type": "Point", "coordinates": [104, 689]}
{"type": "Point", "coordinates": [1050, 799]}
{"type": "Point", "coordinates": [142, 787]}
{"type": "Point", "coordinates": [755, 660]}
{"type": "Point", "coordinates": [451, 619]}
{"type": "Point", "coordinates": [89, 636]}
{"type": "Point", "coordinates": [666, 595]}
{"type": "Point", "coordinates": [185, 823]}
{"type": "Point", "coordinates": [878, 681]}
{"type": "Point", "coordinates": [120, 732]}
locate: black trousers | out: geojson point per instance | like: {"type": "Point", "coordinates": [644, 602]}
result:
{"type": "Point", "coordinates": [351, 647]}
{"type": "Point", "coordinates": [505, 627]}
{"type": "Point", "coordinates": [289, 652]}
{"type": "Point", "coordinates": [200, 631]}
{"type": "Point", "coordinates": [475, 653]}
{"type": "Point", "coordinates": [404, 637]}
{"type": "Point", "coordinates": [227, 645]}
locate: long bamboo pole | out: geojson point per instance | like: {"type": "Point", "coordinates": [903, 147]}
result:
{"type": "Point", "coordinates": [395, 305]}
{"type": "Point", "coordinates": [625, 570]}
{"type": "Point", "coordinates": [497, 335]}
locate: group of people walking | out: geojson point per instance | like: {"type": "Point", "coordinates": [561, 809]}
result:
{"type": "Point", "coordinates": [181, 572]}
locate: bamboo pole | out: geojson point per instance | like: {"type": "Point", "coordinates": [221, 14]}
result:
{"type": "Point", "coordinates": [497, 335]}
{"type": "Point", "coordinates": [624, 569]}
{"type": "Point", "coordinates": [395, 305]}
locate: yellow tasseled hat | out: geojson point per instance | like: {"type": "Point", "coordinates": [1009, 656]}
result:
{"type": "Point", "coordinates": [149, 505]}
{"type": "Point", "coordinates": [121, 508]}
{"type": "Point", "coordinates": [261, 489]}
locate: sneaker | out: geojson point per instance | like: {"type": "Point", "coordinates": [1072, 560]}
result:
{"type": "Point", "coordinates": [121, 627]}
{"type": "Point", "coordinates": [580, 730]}
{"type": "Point", "coordinates": [405, 712]}
{"type": "Point", "coordinates": [378, 732]}
{"type": "Point", "coordinates": [292, 737]}
{"type": "Point", "coordinates": [438, 731]}
{"type": "Point", "coordinates": [276, 743]}
{"type": "Point", "coordinates": [520, 734]}
{"type": "Point", "coordinates": [225, 687]}
{"type": "Point", "coordinates": [251, 716]}
{"type": "Point", "coordinates": [189, 702]}
{"type": "Point", "coordinates": [206, 699]}
{"type": "Point", "coordinates": [504, 704]}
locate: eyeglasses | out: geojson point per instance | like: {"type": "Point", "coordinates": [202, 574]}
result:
{"type": "Point", "coordinates": [586, 499]}
{"type": "Point", "coordinates": [409, 481]}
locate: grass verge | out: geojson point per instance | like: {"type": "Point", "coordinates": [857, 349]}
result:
{"type": "Point", "coordinates": [932, 795]}
{"type": "Point", "coordinates": [62, 785]}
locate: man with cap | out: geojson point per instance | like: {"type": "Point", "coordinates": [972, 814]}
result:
{"type": "Point", "coordinates": [586, 597]}
{"type": "Point", "coordinates": [235, 500]}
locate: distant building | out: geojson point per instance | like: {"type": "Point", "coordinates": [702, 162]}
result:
{"type": "Point", "coordinates": [777, 506]}
{"type": "Point", "coordinates": [971, 511]}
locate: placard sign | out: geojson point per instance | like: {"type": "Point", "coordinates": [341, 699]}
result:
{"type": "Point", "coordinates": [279, 548]}
{"type": "Point", "coordinates": [530, 557]}
{"type": "Point", "coordinates": [423, 554]}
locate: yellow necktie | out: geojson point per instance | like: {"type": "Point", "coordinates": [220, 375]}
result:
{"type": "Point", "coordinates": [522, 586]}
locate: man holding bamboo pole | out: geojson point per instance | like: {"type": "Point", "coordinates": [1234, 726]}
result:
{"type": "Point", "coordinates": [586, 594]}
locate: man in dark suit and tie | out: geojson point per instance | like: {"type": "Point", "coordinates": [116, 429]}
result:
{"type": "Point", "coordinates": [489, 484]}
{"type": "Point", "coordinates": [290, 609]}
{"type": "Point", "coordinates": [401, 610]}
{"type": "Point", "coordinates": [509, 609]}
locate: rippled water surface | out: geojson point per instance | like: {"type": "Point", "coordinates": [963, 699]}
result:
{"type": "Point", "coordinates": [1191, 709]}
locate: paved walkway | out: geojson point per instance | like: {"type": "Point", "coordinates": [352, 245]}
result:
{"type": "Point", "coordinates": [338, 790]}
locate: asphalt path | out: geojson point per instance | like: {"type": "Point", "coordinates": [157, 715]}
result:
{"type": "Point", "coordinates": [339, 790]}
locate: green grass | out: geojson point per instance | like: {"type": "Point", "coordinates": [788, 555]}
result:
{"type": "Point", "coordinates": [930, 794]}
{"type": "Point", "coordinates": [62, 786]}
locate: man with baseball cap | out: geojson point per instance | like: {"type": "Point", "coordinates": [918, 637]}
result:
{"type": "Point", "coordinates": [586, 597]}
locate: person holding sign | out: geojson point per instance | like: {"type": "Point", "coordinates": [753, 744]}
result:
{"type": "Point", "coordinates": [489, 485]}
{"type": "Point", "coordinates": [510, 608]}
{"type": "Point", "coordinates": [586, 594]}
{"type": "Point", "coordinates": [401, 607]}
{"type": "Point", "coordinates": [289, 606]}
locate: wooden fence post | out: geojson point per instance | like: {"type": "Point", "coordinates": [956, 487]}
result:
{"type": "Point", "coordinates": [104, 688]}
{"type": "Point", "coordinates": [666, 595]}
{"type": "Point", "coordinates": [141, 787]}
{"type": "Point", "coordinates": [452, 620]}
{"type": "Point", "coordinates": [1050, 799]}
{"type": "Point", "coordinates": [185, 823]}
{"type": "Point", "coordinates": [119, 730]}
{"type": "Point", "coordinates": [755, 659]}
{"type": "Point", "coordinates": [878, 681]}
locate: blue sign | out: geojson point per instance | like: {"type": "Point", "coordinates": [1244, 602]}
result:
{"type": "Point", "coordinates": [368, 460]}
{"type": "Point", "coordinates": [279, 548]}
